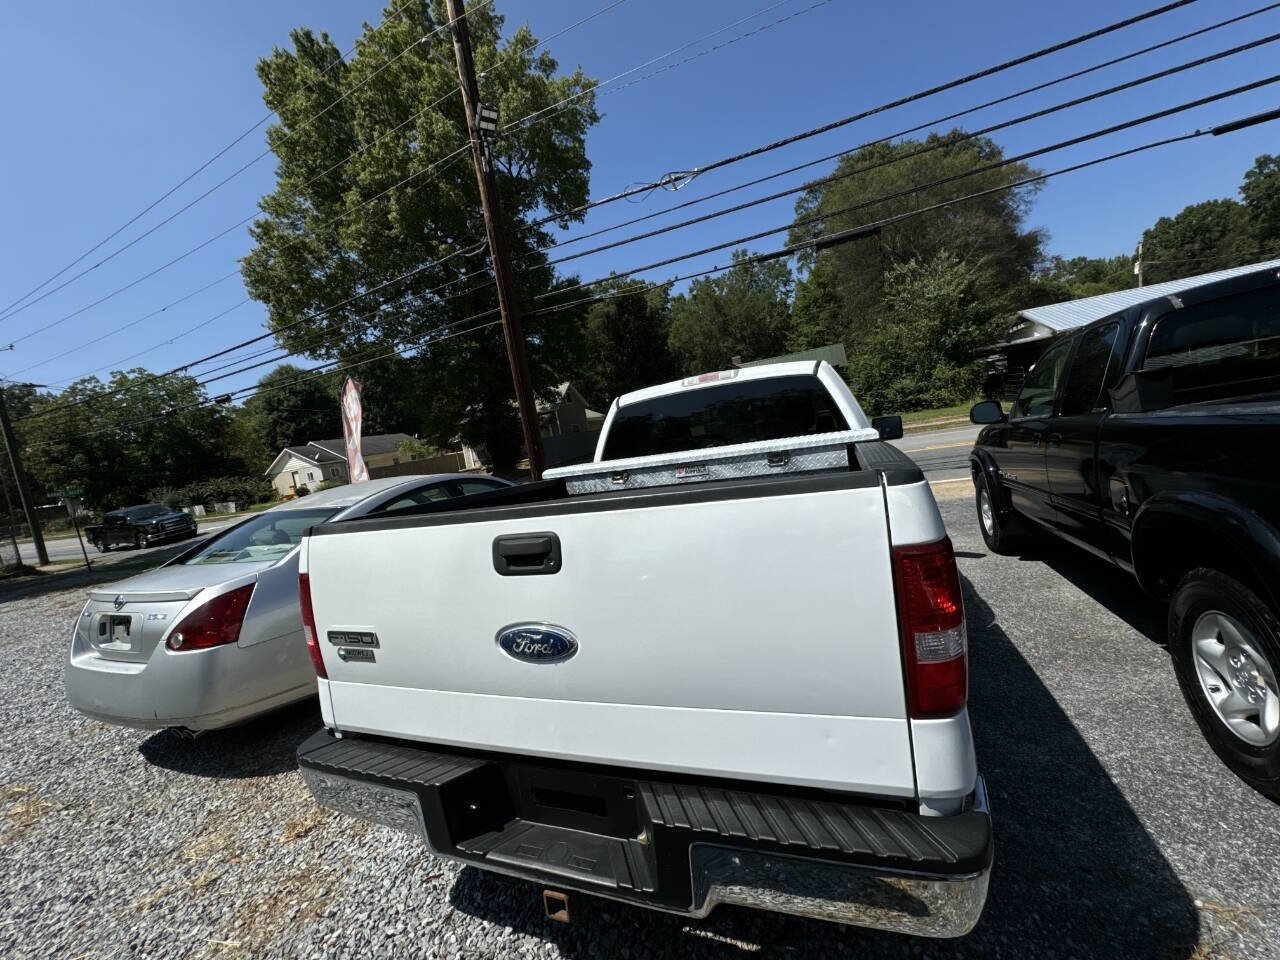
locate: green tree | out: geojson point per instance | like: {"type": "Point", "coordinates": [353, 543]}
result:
{"type": "Point", "coordinates": [122, 438]}
{"type": "Point", "coordinates": [292, 408]}
{"type": "Point", "coordinates": [919, 352]}
{"type": "Point", "coordinates": [1212, 235]}
{"type": "Point", "coordinates": [745, 311]}
{"type": "Point", "coordinates": [625, 340]}
{"type": "Point", "coordinates": [248, 452]}
{"type": "Point", "coordinates": [818, 316]}
{"type": "Point", "coordinates": [1088, 276]}
{"type": "Point", "coordinates": [853, 276]}
{"type": "Point", "coordinates": [1261, 193]}
{"type": "Point", "coordinates": [401, 220]}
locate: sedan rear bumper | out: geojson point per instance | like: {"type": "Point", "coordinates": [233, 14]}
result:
{"type": "Point", "coordinates": [679, 847]}
{"type": "Point", "coordinates": [200, 690]}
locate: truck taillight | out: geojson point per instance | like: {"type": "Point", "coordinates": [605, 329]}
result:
{"type": "Point", "coordinates": [931, 614]}
{"type": "Point", "coordinates": [214, 623]}
{"type": "Point", "coordinates": [309, 625]}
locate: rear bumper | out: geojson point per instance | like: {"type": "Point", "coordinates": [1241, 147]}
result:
{"type": "Point", "coordinates": [201, 690]}
{"type": "Point", "coordinates": [683, 847]}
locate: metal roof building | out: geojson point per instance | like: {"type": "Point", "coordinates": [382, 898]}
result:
{"type": "Point", "coordinates": [1039, 323]}
{"type": "Point", "coordinates": [833, 353]}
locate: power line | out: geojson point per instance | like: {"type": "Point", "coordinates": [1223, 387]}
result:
{"type": "Point", "coordinates": [941, 144]}
{"type": "Point", "coordinates": [555, 107]}
{"type": "Point", "coordinates": [413, 176]}
{"type": "Point", "coordinates": [966, 79]}
{"type": "Point", "coordinates": [463, 148]}
{"type": "Point", "coordinates": [918, 127]}
{"type": "Point", "coordinates": [131, 323]}
{"type": "Point", "coordinates": [293, 131]}
{"type": "Point", "coordinates": [7, 311]}
{"type": "Point", "coordinates": [823, 242]}
{"type": "Point", "coordinates": [946, 143]}
{"type": "Point", "coordinates": [816, 243]}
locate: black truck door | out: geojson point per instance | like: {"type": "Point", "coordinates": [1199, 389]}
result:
{"type": "Point", "coordinates": [1022, 463]}
{"type": "Point", "coordinates": [1071, 439]}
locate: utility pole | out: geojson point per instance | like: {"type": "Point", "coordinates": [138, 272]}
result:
{"type": "Point", "coordinates": [1138, 267]}
{"type": "Point", "coordinates": [499, 254]}
{"type": "Point", "coordinates": [20, 481]}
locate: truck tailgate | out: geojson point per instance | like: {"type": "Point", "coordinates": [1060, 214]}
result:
{"type": "Point", "coordinates": [744, 630]}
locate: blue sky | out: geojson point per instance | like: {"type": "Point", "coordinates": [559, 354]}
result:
{"type": "Point", "coordinates": [109, 105]}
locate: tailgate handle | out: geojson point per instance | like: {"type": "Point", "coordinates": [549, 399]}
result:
{"type": "Point", "coordinates": [526, 554]}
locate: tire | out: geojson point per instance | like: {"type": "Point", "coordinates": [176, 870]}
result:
{"type": "Point", "coordinates": [101, 545]}
{"type": "Point", "coordinates": [1225, 645]}
{"type": "Point", "coordinates": [994, 526]}
{"type": "Point", "coordinates": [139, 541]}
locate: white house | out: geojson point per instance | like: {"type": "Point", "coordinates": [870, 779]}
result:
{"type": "Point", "coordinates": [319, 461]}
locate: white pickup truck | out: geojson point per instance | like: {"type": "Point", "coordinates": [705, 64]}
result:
{"type": "Point", "coordinates": [725, 662]}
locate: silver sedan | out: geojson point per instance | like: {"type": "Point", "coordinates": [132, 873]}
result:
{"type": "Point", "coordinates": [214, 636]}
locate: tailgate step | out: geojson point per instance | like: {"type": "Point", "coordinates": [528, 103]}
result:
{"type": "Point", "coordinates": [607, 861]}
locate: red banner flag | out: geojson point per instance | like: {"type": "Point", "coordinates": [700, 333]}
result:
{"type": "Point", "coordinates": [352, 415]}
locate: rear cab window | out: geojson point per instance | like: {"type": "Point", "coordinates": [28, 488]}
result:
{"type": "Point", "coordinates": [737, 411]}
{"type": "Point", "coordinates": [1220, 348]}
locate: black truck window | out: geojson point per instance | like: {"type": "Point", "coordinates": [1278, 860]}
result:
{"type": "Point", "coordinates": [736, 411]}
{"type": "Point", "coordinates": [1041, 386]}
{"type": "Point", "coordinates": [1092, 368]}
{"type": "Point", "coordinates": [1221, 348]}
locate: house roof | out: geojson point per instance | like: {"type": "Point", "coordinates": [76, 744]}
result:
{"type": "Point", "coordinates": [833, 353]}
{"type": "Point", "coordinates": [335, 451]}
{"type": "Point", "coordinates": [1077, 313]}
{"type": "Point", "coordinates": [370, 446]}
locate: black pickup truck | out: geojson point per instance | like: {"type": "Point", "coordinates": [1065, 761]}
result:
{"type": "Point", "coordinates": [140, 526]}
{"type": "Point", "coordinates": [1151, 438]}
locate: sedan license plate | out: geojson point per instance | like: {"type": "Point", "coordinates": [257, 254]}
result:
{"type": "Point", "coordinates": [117, 628]}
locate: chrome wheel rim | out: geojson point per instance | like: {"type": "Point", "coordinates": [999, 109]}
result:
{"type": "Point", "coordinates": [1236, 678]}
{"type": "Point", "coordinates": [986, 513]}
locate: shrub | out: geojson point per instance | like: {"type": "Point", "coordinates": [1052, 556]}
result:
{"type": "Point", "coordinates": [302, 489]}
{"type": "Point", "coordinates": [215, 490]}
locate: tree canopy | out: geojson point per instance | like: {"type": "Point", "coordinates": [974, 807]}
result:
{"type": "Point", "coordinates": [989, 231]}
{"type": "Point", "coordinates": [743, 312]}
{"type": "Point", "coordinates": [625, 340]}
{"type": "Point", "coordinates": [401, 220]}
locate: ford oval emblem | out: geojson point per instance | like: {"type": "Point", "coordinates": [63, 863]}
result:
{"type": "Point", "coordinates": [537, 642]}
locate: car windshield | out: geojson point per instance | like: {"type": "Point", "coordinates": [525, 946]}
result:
{"type": "Point", "coordinates": [266, 537]}
{"type": "Point", "coordinates": [146, 513]}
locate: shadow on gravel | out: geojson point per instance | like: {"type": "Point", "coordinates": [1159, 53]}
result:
{"type": "Point", "coordinates": [259, 748]}
{"type": "Point", "coordinates": [1076, 874]}
{"type": "Point", "coordinates": [1109, 585]}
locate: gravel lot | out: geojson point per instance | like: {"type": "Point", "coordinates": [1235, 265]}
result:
{"type": "Point", "coordinates": [1118, 832]}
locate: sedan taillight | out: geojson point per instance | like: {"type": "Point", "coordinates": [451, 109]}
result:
{"type": "Point", "coordinates": [931, 614]}
{"type": "Point", "coordinates": [214, 623]}
{"type": "Point", "coordinates": [309, 625]}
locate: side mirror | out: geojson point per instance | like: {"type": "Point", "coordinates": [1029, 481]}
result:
{"type": "Point", "coordinates": [890, 428]}
{"type": "Point", "coordinates": [988, 411]}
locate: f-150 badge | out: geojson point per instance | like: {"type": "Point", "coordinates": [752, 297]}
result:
{"type": "Point", "coordinates": [537, 642]}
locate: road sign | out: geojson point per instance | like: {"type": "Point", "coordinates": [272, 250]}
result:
{"type": "Point", "coordinates": [69, 492]}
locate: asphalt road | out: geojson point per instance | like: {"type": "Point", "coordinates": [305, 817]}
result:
{"type": "Point", "coordinates": [941, 454]}
{"type": "Point", "coordinates": [1118, 832]}
{"type": "Point", "coordinates": [68, 548]}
